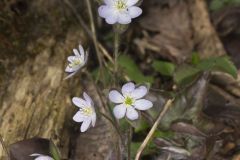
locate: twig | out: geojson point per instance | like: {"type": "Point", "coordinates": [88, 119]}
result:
{"type": "Point", "coordinates": [154, 127]}
{"type": "Point", "coordinates": [94, 35]}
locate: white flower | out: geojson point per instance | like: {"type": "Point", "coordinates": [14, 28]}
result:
{"type": "Point", "coordinates": [119, 11]}
{"type": "Point", "coordinates": [129, 101]}
{"type": "Point", "coordinates": [86, 113]}
{"type": "Point", "coordinates": [41, 157]}
{"type": "Point", "coordinates": [76, 62]}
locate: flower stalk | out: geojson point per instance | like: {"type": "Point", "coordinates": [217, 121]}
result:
{"type": "Point", "coordinates": [93, 29]}
{"type": "Point", "coordinates": [116, 53]}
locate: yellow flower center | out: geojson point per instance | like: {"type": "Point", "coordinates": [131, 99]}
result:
{"type": "Point", "coordinates": [75, 62]}
{"type": "Point", "coordinates": [120, 5]}
{"type": "Point", "coordinates": [128, 101]}
{"type": "Point", "coordinates": [87, 111]}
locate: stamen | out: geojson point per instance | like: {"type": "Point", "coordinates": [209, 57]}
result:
{"type": "Point", "coordinates": [75, 62]}
{"type": "Point", "coordinates": [87, 111]}
{"type": "Point", "coordinates": [128, 101]}
{"type": "Point", "coordinates": [120, 5]}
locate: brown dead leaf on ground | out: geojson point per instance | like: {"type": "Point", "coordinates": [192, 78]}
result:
{"type": "Point", "coordinates": [172, 28]}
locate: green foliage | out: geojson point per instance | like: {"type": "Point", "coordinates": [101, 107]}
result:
{"type": "Point", "coordinates": [219, 4]}
{"type": "Point", "coordinates": [130, 68]}
{"type": "Point", "coordinates": [140, 125]}
{"type": "Point", "coordinates": [165, 68]}
{"type": "Point", "coordinates": [195, 58]}
{"type": "Point", "coordinates": [163, 134]}
{"type": "Point", "coordinates": [223, 64]}
{"type": "Point", "coordinates": [186, 73]}
{"type": "Point", "coordinates": [54, 151]}
{"type": "Point", "coordinates": [151, 148]}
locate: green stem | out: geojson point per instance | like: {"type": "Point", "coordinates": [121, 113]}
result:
{"type": "Point", "coordinates": [129, 142]}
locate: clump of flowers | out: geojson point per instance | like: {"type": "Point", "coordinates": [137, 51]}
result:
{"type": "Point", "coordinates": [129, 101]}
{"type": "Point", "coordinates": [41, 157]}
{"type": "Point", "coordinates": [86, 113]}
{"type": "Point", "coordinates": [119, 11]}
{"type": "Point", "coordinates": [76, 62]}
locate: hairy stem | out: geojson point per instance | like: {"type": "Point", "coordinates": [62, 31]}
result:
{"type": "Point", "coordinates": [116, 52]}
{"type": "Point", "coordinates": [153, 129]}
{"type": "Point", "coordinates": [129, 142]}
{"type": "Point", "coordinates": [89, 6]}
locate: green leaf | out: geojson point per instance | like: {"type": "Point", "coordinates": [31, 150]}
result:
{"type": "Point", "coordinates": [165, 68]}
{"type": "Point", "coordinates": [223, 64]}
{"type": "Point", "coordinates": [185, 74]}
{"type": "Point", "coordinates": [219, 4]}
{"type": "Point", "coordinates": [163, 134]}
{"type": "Point", "coordinates": [195, 58]}
{"type": "Point", "coordinates": [151, 148]}
{"type": "Point", "coordinates": [216, 4]}
{"type": "Point", "coordinates": [54, 151]}
{"type": "Point", "coordinates": [132, 70]}
{"type": "Point", "coordinates": [139, 125]}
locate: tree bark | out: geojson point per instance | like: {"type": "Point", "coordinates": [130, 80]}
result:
{"type": "Point", "coordinates": [35, 101]}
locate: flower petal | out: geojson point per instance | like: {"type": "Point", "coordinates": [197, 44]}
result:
{"type": "Point", "coordinates": [139, 92]}
{"type": "Point", "coordinates": [119, 111]}
{"type": "Point", "coordinates": [112, 19]}
{"type": "Point", "coordinates": [71, 58]}
{"type": "Point", "coordinates": [109, 2]}
{"type": "Point", "coordinates": [81, 50]}
{"type": "Point", "coordinates": [79, 102]}
{"type": "Point", "coordinates": [132, 114]}
{"type": "Point", "coordinates": [94, 117]}
{"type": "Point", "coordinates": [134, 11]}
{"type": "Point", "coordinates": [105, 11]}
{"type": "Point", "coordinates": [69, 69]}
{"type": "Point", "coordinates": [115, 97]}
{"type": "Point", "coordinates": [85, 125]}
{"type": "Point", "coordinates": [124, 18]}
{"type": "Point", "coordinates": [88, 99]}
{"type": "Point", "coordinates": [35, 154]}
{"type": "Point", "coordinates": [41, 157]}
{"type": "Point", "coordinates": [75, 51]}
{"type": "Point", "coordinates": [143, 104]}
{"type": "Point", "coordinates": [131, 2]}
{"type": "Point", "coordinates": [79, 117]}
{"type": "Point", "coordinates": [128, 88]}
{"type": "Point", "coordinates": [44, 158]}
